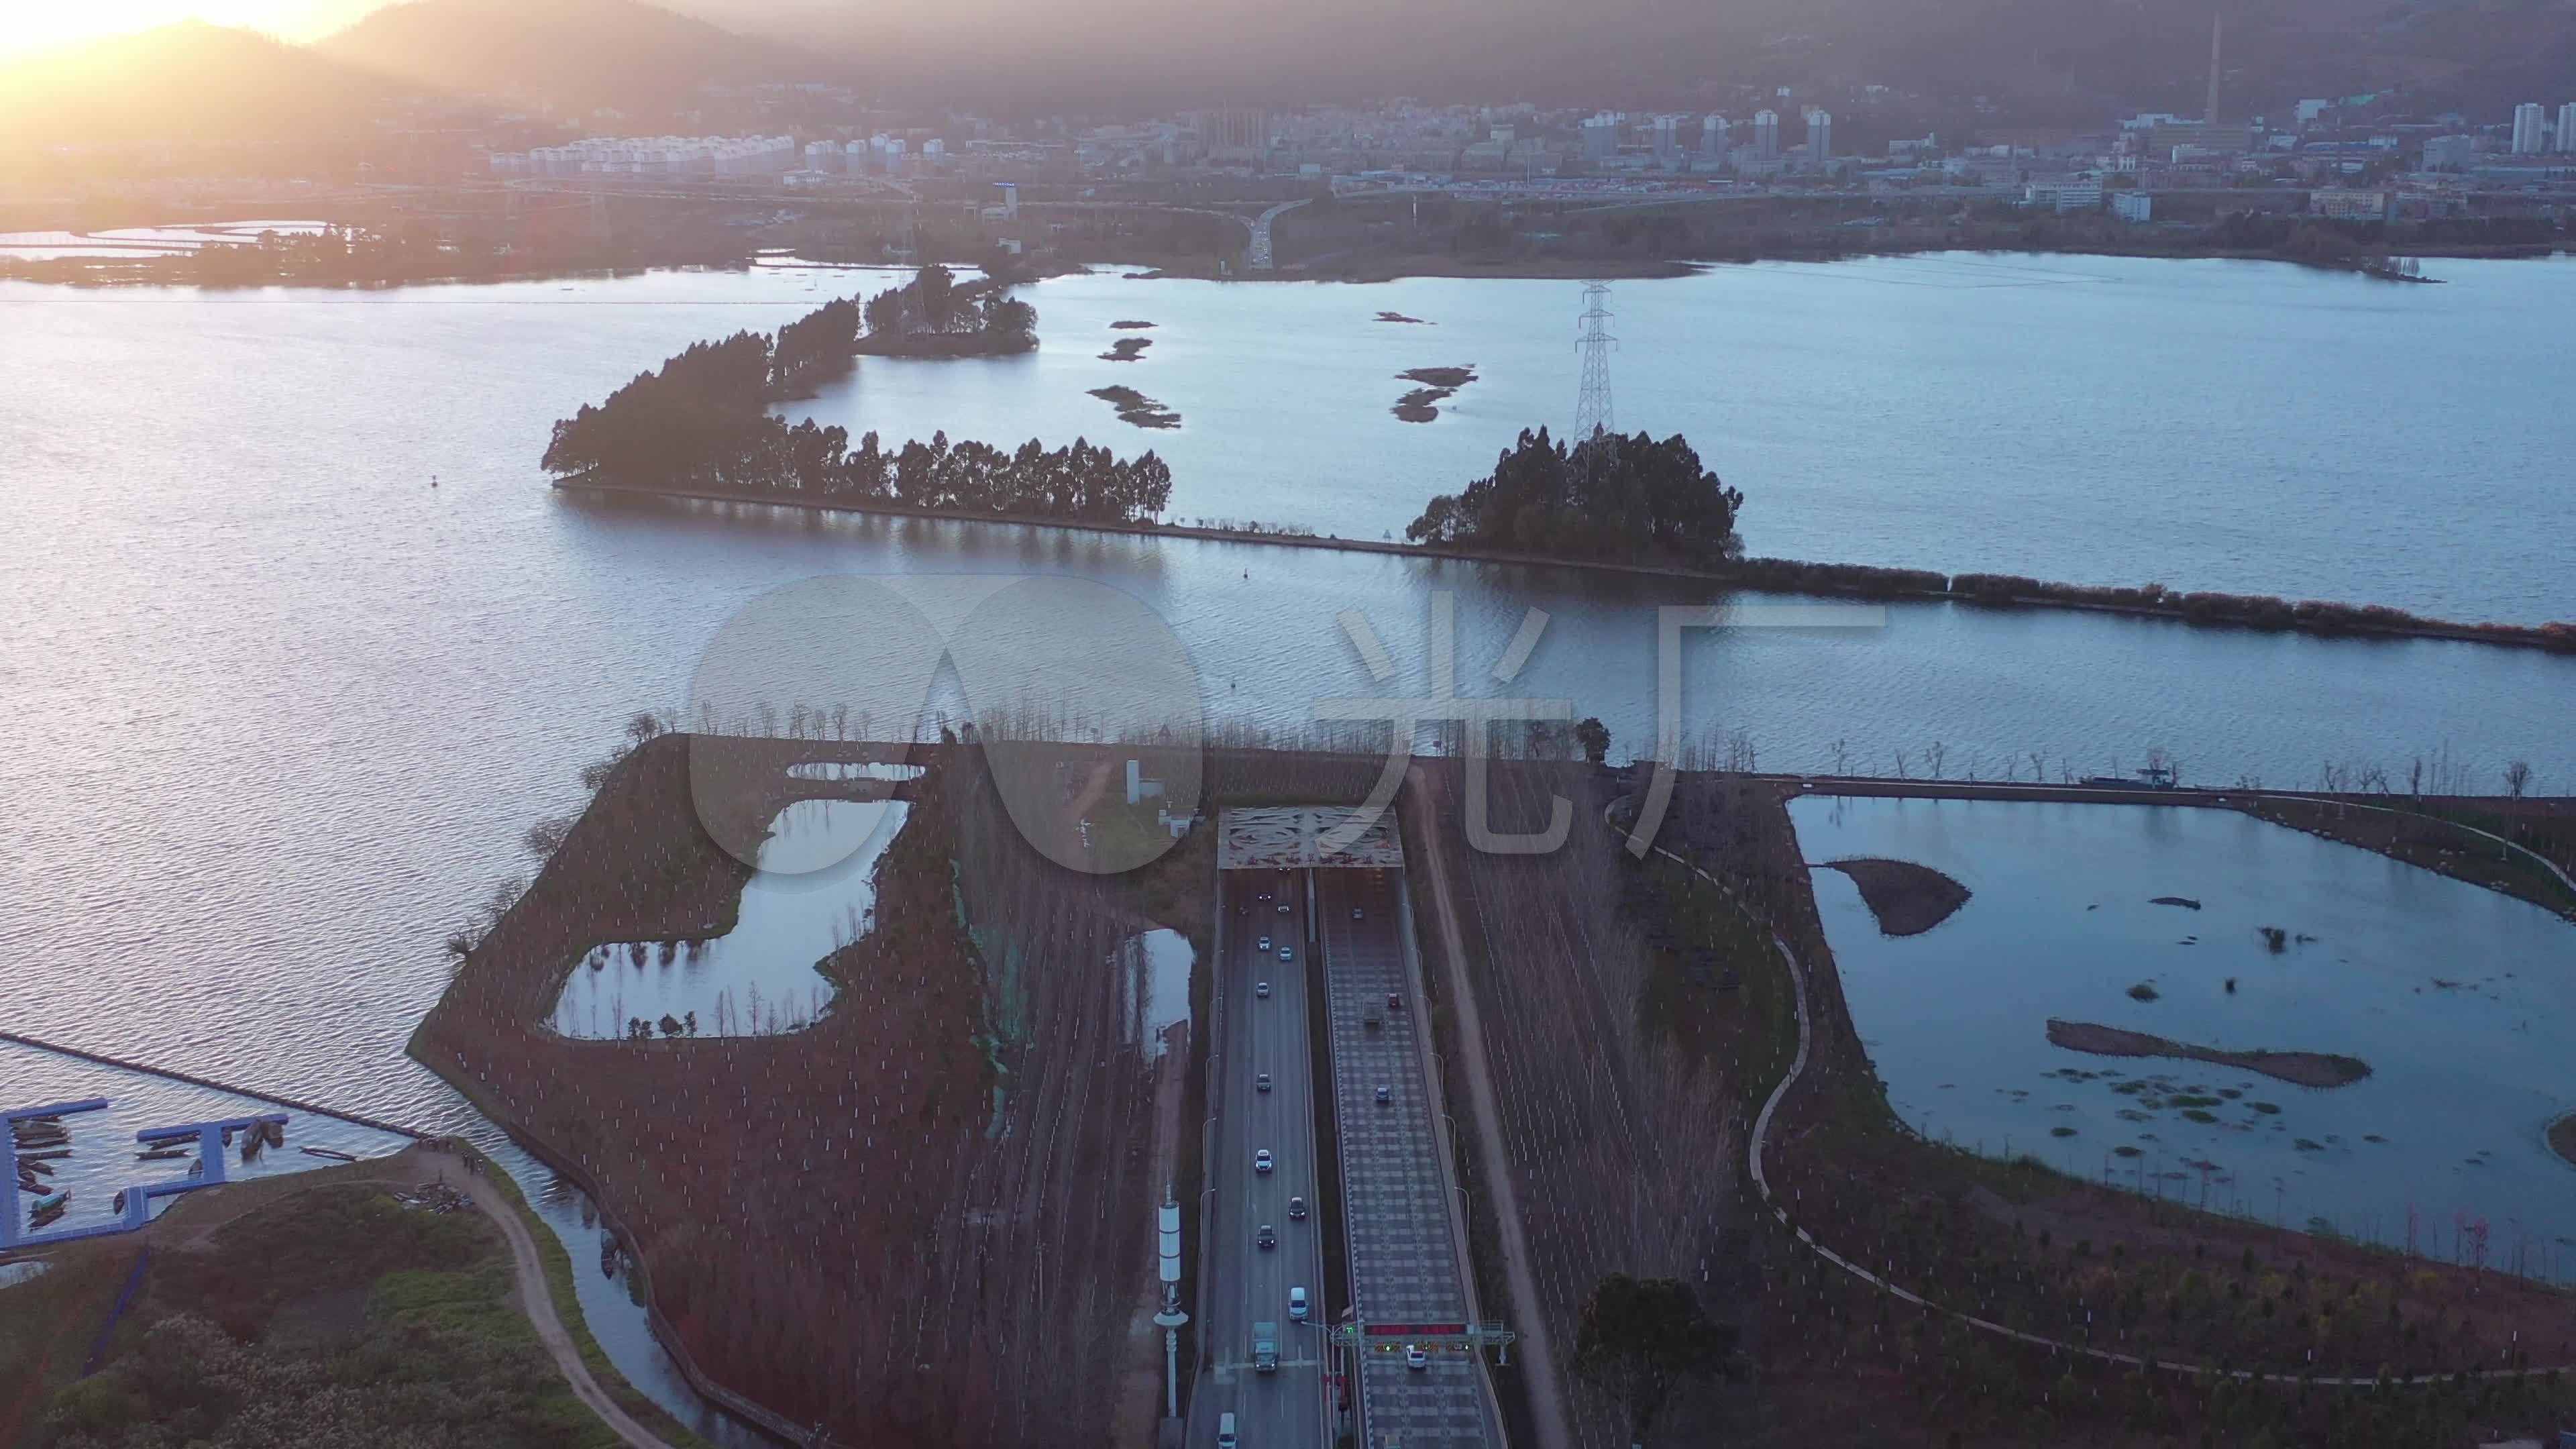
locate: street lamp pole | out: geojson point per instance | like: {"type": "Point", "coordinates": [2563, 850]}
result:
{"type": "Point", "coordinates": [1167, 1223]}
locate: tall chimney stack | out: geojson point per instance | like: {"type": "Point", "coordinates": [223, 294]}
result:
{"type": "Point", "coordinates": [2209, 115]}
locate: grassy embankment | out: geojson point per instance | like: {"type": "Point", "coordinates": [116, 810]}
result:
{"type": "Point", "coordinates": [330, 1305]}
{"type": "Point", "coordinates": [2435, 833]}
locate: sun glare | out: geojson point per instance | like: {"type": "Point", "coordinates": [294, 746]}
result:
{"type": "Point", "coordinates": [34, 25]}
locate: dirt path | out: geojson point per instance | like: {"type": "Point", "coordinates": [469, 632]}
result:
{"type": "Point", "coordinates": [1546, 1391]}
{"type": "Point", "coordinates": [539, 1303]}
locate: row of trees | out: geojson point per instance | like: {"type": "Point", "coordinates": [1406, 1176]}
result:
{"type": "Point", "coordinates": [1608, 496]}
{"type": "Point", "coordinates": [1077, 481]}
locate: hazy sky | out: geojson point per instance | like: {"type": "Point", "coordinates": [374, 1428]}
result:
{"type": "Point", "coordinates": [38, 24]}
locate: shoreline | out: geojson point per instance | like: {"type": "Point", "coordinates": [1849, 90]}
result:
{"type": "Point", "coordinates": [166, 1073]}
{"type": "Point", "coordinates": [2299, 1069]}
{"type": "Point", "coordinates": [1771, 576]}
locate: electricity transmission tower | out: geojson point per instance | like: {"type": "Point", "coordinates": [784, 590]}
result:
{"type": "Point", "coordinates": [1592, 422]}
{"type": "Point", "coordinates": [1592, 406]}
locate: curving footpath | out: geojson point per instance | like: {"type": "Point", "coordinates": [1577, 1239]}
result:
{"type": "Point", "coordinates": [1762, 1183]}
{"type": "Point", "coordinates": [538, 1300]}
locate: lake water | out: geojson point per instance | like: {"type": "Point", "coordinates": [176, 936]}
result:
{"type": "Point", "coordinates": [280, 710]}
{"type": "Point", "coordinates": [2461, 1001]}
{"type": "Point", "coordinates": [2242, 426]}
{"type": "Point", "coordinates": [814, 893]}
{"type": "Point", "coordinates": [102, 1161]}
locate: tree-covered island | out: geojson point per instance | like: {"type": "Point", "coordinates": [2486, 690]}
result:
{"type": "Point", "coordinates": [701, 423]}
{"type": "Point", "coordinates": [1610, 498]}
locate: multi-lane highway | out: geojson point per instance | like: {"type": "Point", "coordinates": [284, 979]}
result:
{"type": "Point", "coordinates": [1246, 1283]}
{"type": "Point", "coordinates": [1407, 1265]}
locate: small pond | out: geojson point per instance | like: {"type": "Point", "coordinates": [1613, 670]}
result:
{"type": "Point", "coordinates": [814, 893]}
{"type": "Point", "coordinates": [1157, 978]}
{"type": "Point", "coordinates": [2459, 999]}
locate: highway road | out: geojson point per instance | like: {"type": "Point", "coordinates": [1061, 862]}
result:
{"type": "Point", "coordinates": [1245, 1283]}
{"type": "Point", "coordinates": [1407, 1263]}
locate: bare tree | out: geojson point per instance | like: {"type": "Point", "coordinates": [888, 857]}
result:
{"type": "Point", "coordinates": [547, 836]}
{"type": "Point", "coordinates": [2517, 778]}
{"type": "Point", "coordinates": [1933, 756]}
{"type": "Point", "coordinates": [643, 726]}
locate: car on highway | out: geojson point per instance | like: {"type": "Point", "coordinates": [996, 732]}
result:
{"type": "Point", "coordinates": [1261, 1081]}
{"type": "Point", "coordinates": [1263, 943]}
{"type": "Point", "coordinates": [1297, 1304]}
{"type": "Point", "coordinates": [1296, 1209]}
{"type": "Point", "coordinates": [1287, 954]}
{"type": "Point", "coordinates": [1261, 1160]}
{"type": "Point", "coordinates": [1266, 1237]}
{"type": "Point", "coordinates": [1395, 1001]}
{"type": "Point", "coordinates": [1225, 1431]}
{"type": "Point", "coordinates": [1415, 1358]}
{"type": "Point", "coordinates": [1265, 895]}
{"type": "Point", "coordinates": [1355, 913]}
{"type": "Point", "coordinates": [1283, 908]}
{"type": "Point", "coordinates": [1384, 1096]}
{"type": "Point", "coordinates": [1261, 989]}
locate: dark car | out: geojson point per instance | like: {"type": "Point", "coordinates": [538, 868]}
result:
{"type": "Point", "coordinates": [1267, 1237]}
{"type": "Point", "coordinates": [1296, 1209]}
{"type": "Point", "coordinates": [1261, 1082]}
{"type": "Point", "coordinates": [1384, 1096]}
{"type": "Point", "coordinates": [1395, 1001]}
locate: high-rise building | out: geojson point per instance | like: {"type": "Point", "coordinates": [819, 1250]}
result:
{"type": "Point", "coordinates": [1713, 139]}
{"type": "Point", "coordinates": [1668, 140]}
{"type": "Point", "coordinates": [1820, 137]}
{"type": "Point", "coordinates": [1238, 135]}
{"type": "Point", "coordinates": [2567, 127]}
{"type": "Point", "coordinates": [1766, 133]}
{"type": "Point", "coordinates": [2527, 127]}
{"type": "Point", "coordinates": [2449, 153]}
{"type": "Point", "coordinates": [1601, 137]}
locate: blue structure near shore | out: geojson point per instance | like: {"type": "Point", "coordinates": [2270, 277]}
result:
{"type": "Point", "coordinates": [137, 1199]}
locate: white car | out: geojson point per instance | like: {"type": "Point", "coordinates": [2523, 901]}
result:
{"type": "Point", "coordinates": [1355, 913]}
{"type": "Point", "coordinates": [1415, 1358]}
{"type": "Point", "coordinates": [1261, 1160]}
{"type": "Point", "coordinates": [1286, 954]}
{"type": "Point", "coordinates": [1297, 1304]}
{"type": "Point", "coordinates": [1264, 943]}
{"type": "Point", "coordinates": [1261, 989]}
